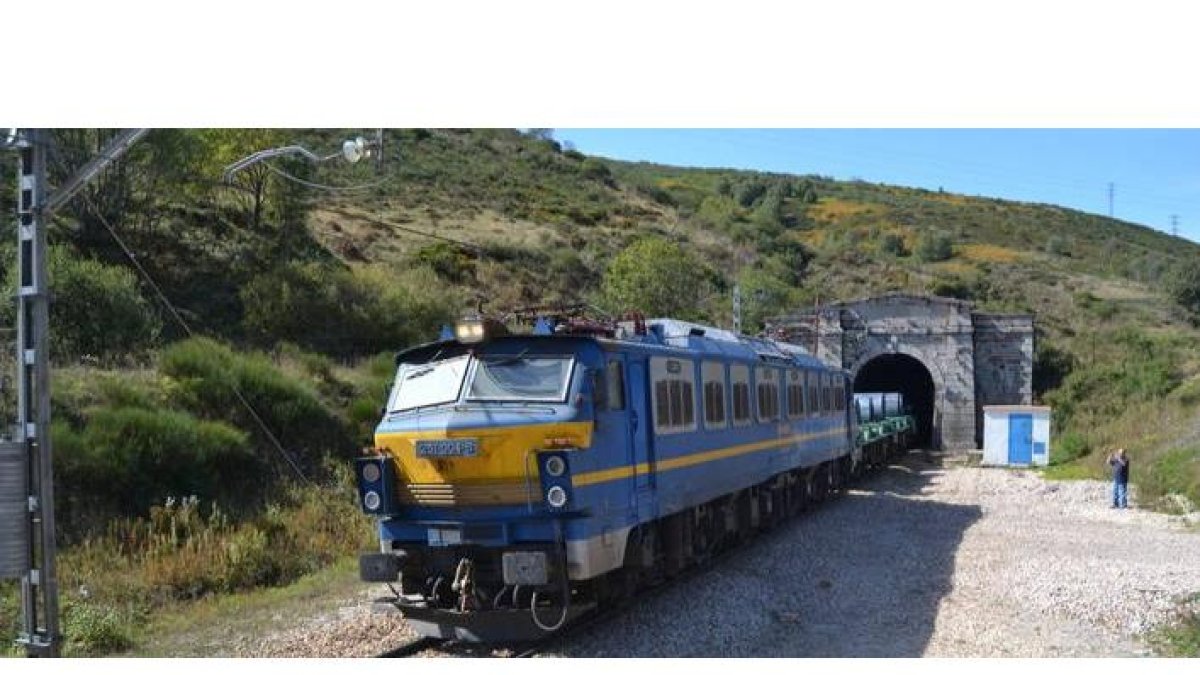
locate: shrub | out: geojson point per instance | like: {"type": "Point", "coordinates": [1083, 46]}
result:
{"type": "Point", "coordinates": [1069, 447]}
{"type": "Point", "coordinates": [1057, 245]}
{"type": "Point", "coordinates": [894, 244]}
{"type": "Point", "coordinates": [126, 459]}
{"type": "Point", "coordinates": [210, 375]}
{"type": "Point", "coordinates": [1183, 284]}
{"type": "Point", "coordinates": [934, 246]}
{"type": "Point", "coordinates": [596, 170]}
{"type": "Point", "coordinates": [93, 629]}
{"type": "Point", "coordinates": [656, 194]}
{"type": "Point", "coordinates": [96, 309]}
{"type": "Point", "coordinates": [449, 261]}
{"type": "Point", "coordinates": [1137, 367]}
{"type": "Point", "coordinates": [348, 312]}
{"type": "Point", "coordinates": [1177, 472]}
{"type": "Point", "coordinates": [951, 287]}
{"type": "Point", "coordinates": [1050, 366]}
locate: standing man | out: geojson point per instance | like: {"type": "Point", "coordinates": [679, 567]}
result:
{"type": "Point", "coordinates": [1119, 462]}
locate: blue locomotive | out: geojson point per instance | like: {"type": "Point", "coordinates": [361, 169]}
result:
{"type": "Point", "coordinates": [520, 481]}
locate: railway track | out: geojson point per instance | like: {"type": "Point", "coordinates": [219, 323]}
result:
{"type": "Point", "coordinates": [529, 650]}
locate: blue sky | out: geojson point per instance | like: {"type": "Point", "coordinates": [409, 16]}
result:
{"type": "Point", "coordinates": [1155, 172]}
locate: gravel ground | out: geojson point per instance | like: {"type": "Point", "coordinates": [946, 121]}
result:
{"type": "Point", "coordinates": [919, 561]}
{"type": "Point", "coordinates": [352, 630]}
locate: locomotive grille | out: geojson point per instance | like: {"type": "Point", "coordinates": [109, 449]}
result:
{"type": "Point", "coordinates": [468, 494]}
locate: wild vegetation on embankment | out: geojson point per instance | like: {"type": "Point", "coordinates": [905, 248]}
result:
{"type": "Point", "coordinates": [301, 291]}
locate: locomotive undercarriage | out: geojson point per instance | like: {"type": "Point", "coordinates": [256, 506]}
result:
{"type": "Point", "coordinates": [461, 593]}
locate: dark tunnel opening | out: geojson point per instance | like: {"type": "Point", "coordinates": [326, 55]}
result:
{"type": "Point", "coordinates": [910, 377]}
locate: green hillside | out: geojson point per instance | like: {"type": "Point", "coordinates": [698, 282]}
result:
{"type": "Point", "coordinates": [347, 267]}
{"type": "Point", "coordinates": [298, 292]}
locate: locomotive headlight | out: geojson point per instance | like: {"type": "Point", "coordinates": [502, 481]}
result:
{"type": "Point", "coordinates": [370, 472]}
{"type": "Point", "coordinates": [371, 500]}
{"type": "Point", "coordinates": [556, 497]}
{"type": "Point", "coordinates": [469, 331]}
{"type": "Point", "coordinates": [555, 466]}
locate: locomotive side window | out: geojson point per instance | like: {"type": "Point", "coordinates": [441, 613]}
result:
{"type": "Point", "coordinates": [713, 377]}
{"type": "Point", "coordinates": [739, 381]}
{"type": "Point", "coordinates": [826, 394]}
{"type": "Point", "coordinates": [614, 386]}
{"type": "Point", "coordinates": [795, 394]}
{"type": "Point", "coordinates": [767, 389]}
{"type": "Point", "coordinates": [674, 395]}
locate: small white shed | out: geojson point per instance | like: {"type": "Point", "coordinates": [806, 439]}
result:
{"type": "Point", "coordinates": [1016, 435]}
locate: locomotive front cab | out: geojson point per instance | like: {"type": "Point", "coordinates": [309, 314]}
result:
{"type": "Point", "coordinates": [471, 480]}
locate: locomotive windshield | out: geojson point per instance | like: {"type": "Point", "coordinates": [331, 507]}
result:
{"type": "Point", "coordinates": [424, 384]}
{"type": "Point", "coordinates": [520, 378]}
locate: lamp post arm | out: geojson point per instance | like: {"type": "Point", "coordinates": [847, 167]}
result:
{"type": "Point", "coordinates": [271, 153]}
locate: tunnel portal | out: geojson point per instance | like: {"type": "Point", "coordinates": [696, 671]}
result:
{"type": "Point", "coordinates": [947, 359]}
{"type": "Point", "coordinates": [910, 377]}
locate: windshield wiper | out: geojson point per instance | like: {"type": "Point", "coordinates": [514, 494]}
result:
{"type": "Point", "coordinates": [419, 373]}
{"type": "Point", "coordinates": [505, 360]}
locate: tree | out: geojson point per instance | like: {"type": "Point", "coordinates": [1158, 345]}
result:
{"type": "Point", "coordinates": [255, 185]}
{"type": "Point", "coordinates": [658, 278]}
{"type": "Point", "coordinates": [96, 310]}
{"type": "Point", "coordinates": [765, 294]}
{"type": "Point", "coordinates": [769, 212]}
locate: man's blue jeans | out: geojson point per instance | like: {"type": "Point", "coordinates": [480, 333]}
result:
{"type": "Point", "coordinates": [1120, 494]}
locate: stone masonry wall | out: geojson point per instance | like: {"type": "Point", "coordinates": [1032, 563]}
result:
{"type": "Point", "coordinates": [974, 359]}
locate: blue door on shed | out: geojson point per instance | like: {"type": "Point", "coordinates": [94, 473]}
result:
{"type": "Point", "coordinates": [1020, 439]}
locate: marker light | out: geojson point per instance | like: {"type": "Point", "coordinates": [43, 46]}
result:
{"type": "Point", "coordinates": [370, 472]}
{"type": "Point", "coordinates": [371, 500]}
{"type": "Point", "coordinates": [555, 466]}
{"type": "Point", "coordinates": [556, 497]}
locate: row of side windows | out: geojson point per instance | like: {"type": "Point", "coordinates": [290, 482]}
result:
{"type": "Point", "coordinates": [674, 382]}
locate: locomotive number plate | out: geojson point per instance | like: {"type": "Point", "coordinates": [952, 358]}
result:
{"type": "Point", "coordinates": [456, 447]}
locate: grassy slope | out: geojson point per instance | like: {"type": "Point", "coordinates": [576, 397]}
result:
{"type": "Point", "coordinates": [549, 222]}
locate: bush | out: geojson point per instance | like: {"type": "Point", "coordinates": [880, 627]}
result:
{"type": "Point", "coordinates": [93, 629]}
{"type": "Point", "coordinates": [126, 459]}
{"type": "Point", "coordinates": [1183, 284]}
{"type": "Point", "coordinates": [951, 287]}
{"type": "Point", "coordinates": [934, 246]}
{"type": "Point", "coordinates": [1175, 472]}
{"type": "Point", "coordinates": [894, 244]}
{"type": "Point", "coordinates": [96, 310]}
{"type": "Point", "coordinates": [1137, 367]}
{"type": "Point", "coordinates": [596, 170]}
{"type": "Point", "coordinates": [210, 375]}
{"type": "Point", "coordinates": [1069, 447]}
{"type": "Point", "coordinates": [346, 312]}
{"type": "Point", "coordinates": [448, 260]}
{"type": "Point", "coordinates": [1057, 245]}
{"type": "Point", "coordinates": [1050, 366]}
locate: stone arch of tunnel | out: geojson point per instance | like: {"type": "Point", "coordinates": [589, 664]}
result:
{"type": "Point", "coordinates": [909, 376]}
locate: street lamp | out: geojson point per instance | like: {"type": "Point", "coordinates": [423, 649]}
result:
{"type": "Point", "coordinates": [353, 150]}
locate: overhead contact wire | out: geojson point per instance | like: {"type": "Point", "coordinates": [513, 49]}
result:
{"type": "Point", "coordinates": [237, 392]}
